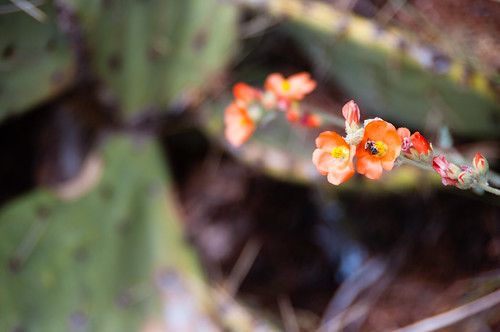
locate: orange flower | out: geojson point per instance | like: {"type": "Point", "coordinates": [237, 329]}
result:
{"type": "Point", "coordinates": [293, 88]}
{"type": "Point", "coordinates": [378, 149]}
{"type": "Point", "coordinates": [244, 93]}
{"type": "Point", "coordinates": [333, 157]}
{"type": "Point", "coordinates": [239, 125]}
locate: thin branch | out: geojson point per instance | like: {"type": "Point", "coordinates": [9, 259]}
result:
{"type": "Point", "coordinates": [455, 315]}
{"type": "Point", "coordinates": [30, 9]}
{"type": "Point", "coordinates": [242, 266]}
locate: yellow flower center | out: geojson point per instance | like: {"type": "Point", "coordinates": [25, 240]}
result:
{"type": "Point", "coordinates": [286, 85]}
{"type": "Point", "coordinates": [376, 148]}
{"type": "Point", "coordinates": [340, 152]}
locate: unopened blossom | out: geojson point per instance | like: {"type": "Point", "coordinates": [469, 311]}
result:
{"type": "Point", "coordinates": [244, 94]}
{"type": "Point", "coordinates": [378, 149]}
{"type": "Point", "coordinates": [414, 144]}
{"type": "Point", "coordinates": [333, 157]}
{"type": "Point", "coordinates": [350, 111]}
{"type": "Point", "coordinates": [465, 179]}
{"type": "Point", "coordinates": [448, 171]}
{"type": "Point", "coordinates": [420, 144]}
{"type": "Point", "coordinates": [239, 125]}
{"type": "Point", "coordinates": [404, 135]}
{"type": "Point", "coordinates": [303, 119]}
{"type": "Point", "coordinates": [294, 87]}
{"type": "Point", "coordinates": [480, 164]}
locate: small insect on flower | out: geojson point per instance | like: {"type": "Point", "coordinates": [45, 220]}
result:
{"type": "Point", "coordinates": [378, 149]}
{"type": "Point", "coordinates": [375, 148]}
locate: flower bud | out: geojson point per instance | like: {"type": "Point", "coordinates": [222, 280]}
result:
{"type": "Point", "coordinates": [406, 144]}
{"type": "Point", "coordinates": [350, 111]}
{"type": "Point", "coordinates": [244, 93]}
{"type": "Point", "coordinates": [465, 180]}
{"type": "Point", "coordinates": [420, 144]}
{"type": "Point", "coordinates": [449, 172]}
{"type": "Point", "coordinates": [292, 115]}
{"type": "Point", "coordinates": [480, 164]}
{"type": "Point", "coordinates": [453, 171]}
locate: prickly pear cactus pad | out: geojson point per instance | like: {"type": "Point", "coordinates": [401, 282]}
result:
{"type": "Point", "coordinates": [35, 59]}
{"type": "Point", "coordinates": [156, 53]}
{"type": "Point", "coordinates": [93, 264]}
{"type": "Point", "coordinates": [388, 70]}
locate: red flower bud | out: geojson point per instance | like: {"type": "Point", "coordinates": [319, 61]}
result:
{"type": "Point", "coordinates": [420, 144]}
{"type": "Point", "coordinates": [480, 164]}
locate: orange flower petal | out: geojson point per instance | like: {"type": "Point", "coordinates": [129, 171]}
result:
{"type": "Point", "coordinates": [338, 176]}
{"type": "Point", "coordinates": [239, 125]}
{"type": "Point", "coordinates": [370, 166]}
{"type": "Point", "coordinates": [328, 140]}
{"type": "Point", "coordinates": [388, 165]}
{"type": "Point", "coordinates": [300, 85]}
{"type": "Point", "coordinates": [403, 133]}
{"type": "Point", "coordinates": [323, 161]}
{"type": "Point", "coordinates": [293, 88]}
{"type": "Point", "coordinates": [333, 157]}
{"type": "Point", "coordinates": [243, 92]}
{"type": "Point", "coordinates": [274, 83]}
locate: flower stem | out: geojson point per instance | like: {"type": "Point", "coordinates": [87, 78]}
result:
{"type": "Point", "coordinates": [409, 161]}
{"type": "Point", "coordinates": [487, 188]}
{"type": "Point", "coordinates": [328, 118]}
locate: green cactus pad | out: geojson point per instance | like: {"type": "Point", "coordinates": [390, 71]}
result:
{"type": "Point", "coordinates": [35, 60]}
{"type": "Point", "coordinates": [156, 54]}
{"type": "Point", "coordinates": [391, 73]}
{"type": "Point", "coordinates": [93, 264]}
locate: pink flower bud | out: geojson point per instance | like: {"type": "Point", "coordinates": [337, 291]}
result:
{"type": "Point", "coordinates": [480, 164]}
{"type": "Point", "coordinates": [445, 169]}
{"type": "Point", "coordinates": [406, 144]}
{"type": "Point", "coordinates": [350, 111]}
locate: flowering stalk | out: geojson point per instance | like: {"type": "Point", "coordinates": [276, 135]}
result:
{"type": "Point", "coordinates": [368, 148]}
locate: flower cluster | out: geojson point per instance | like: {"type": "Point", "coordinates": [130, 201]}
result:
{"type": "Point", "coordinates": [463, 177]}
{"type": "Point", "coordinates": [251, 104]}
{"type": "Point", "coordinates": [376, 146]}
{"type": "Point", "coordinates": [369, 148]}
